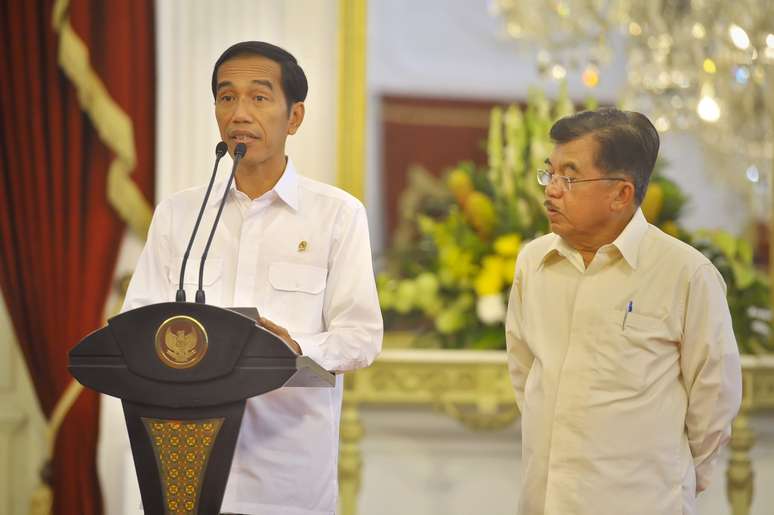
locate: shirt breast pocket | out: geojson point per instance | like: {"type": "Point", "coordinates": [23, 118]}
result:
{"type": "Point", "coordinates": [212, 283]}
{"type": "Point", "coordinates": [632, 351]}
{"type": "Point", "coordinates": [297, 295]}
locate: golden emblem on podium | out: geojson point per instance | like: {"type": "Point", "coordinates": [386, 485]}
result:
{"type": "Point", "coordinates": [181, 342]}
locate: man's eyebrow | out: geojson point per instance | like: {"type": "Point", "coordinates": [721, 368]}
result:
{"type": "Point", "coordinates": [261, 82]}
{"type": "Point", "coordinates": [266, 83]}
{"type": "Point", "coordinates": [569, 164]}
{"type": "Point", "coordinates": [224, 84]}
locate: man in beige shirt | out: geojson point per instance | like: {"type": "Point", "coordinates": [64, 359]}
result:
{"type": "Point", "coordinates": [620, 344]}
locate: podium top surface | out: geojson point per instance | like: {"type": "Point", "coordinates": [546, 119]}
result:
{"type": "Point", "coordinates": [186, 354]}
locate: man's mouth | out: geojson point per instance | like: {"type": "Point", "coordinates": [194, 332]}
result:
{"type": "Point", "coordinates": [550, 207]}
{"type": "Point", "coordinates": [243, 136]}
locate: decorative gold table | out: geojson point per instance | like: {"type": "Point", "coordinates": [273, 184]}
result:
{"type": "Point", "coordinates": [474, 388]}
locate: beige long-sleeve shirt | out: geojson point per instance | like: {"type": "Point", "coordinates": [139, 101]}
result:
{"type": "Point", "coordinates": [627, 374]}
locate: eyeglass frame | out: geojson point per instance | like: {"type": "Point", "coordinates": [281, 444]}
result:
{"type": "Point", "coordinates": [569, 181]}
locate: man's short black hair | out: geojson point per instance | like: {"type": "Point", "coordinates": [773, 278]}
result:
{"type": "Point", "coordinates": [294, 84]}
{"type": "Point", "coordinates": [628, 142]}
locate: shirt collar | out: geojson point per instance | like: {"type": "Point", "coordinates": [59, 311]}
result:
{"type": "Point", "coordinates": [627, 243]}
{"type": "Point", "coordinates": [286, 188]}
{"type": "Point", "coordinates": [558, 247]}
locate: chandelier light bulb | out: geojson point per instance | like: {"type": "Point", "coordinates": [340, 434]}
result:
{"type": "Point", "coordinates": [742, 75]}
{"type": "Point", "coordinates": [739, 37]}
{"type": "Point", "coordinates": [753, 175]}
{"type": "Point", "coordinates": [708, 109]}
{"type": "Point", "coordinates": [701, 65]}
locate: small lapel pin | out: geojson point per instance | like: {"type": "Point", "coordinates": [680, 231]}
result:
{"type": "Point", "coordinates": [302, 245]}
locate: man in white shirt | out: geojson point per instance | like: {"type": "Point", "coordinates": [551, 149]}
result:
{"type": "Point", "coordinates": [296, 249]}
{"type": "Point", "coordinates": [620, 344]}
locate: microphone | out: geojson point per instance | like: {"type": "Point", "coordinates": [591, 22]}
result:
{"type": "Point", "coordinates": [220, 151]}
{"type": "Point", "coordinates": [239, 152]}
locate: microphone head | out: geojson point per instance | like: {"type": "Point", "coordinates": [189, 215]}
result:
{"type": "Point", "coordinates": [221, 149]}
{"type": "Point", "coordinates": [240, 150]}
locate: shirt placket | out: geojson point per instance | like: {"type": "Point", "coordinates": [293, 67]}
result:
{"type": "Point", "coordinates": [566, 422]}
{"type": "Point", "coordinates": [250, 243]}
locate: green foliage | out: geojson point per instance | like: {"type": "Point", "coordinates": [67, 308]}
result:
{"type": "Point", "coordinates": [747, 287]}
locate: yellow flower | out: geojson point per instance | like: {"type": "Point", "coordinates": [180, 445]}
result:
{"type": "Point", "coordinates": [509, 268]}
{"type": "Point", "coordinates": [653, 202]}
{"type": "Point", "coordinates": [508, 245]}
{"type": "Point", "coordinates": [480, 212]}
{"type": "Point", "coordinates": [493, 263]}
{"type": "Point", "coordinates": [460, 185]}
{"type": "Point", "coordinates": [426, 224]}
{"type": "Point", "coordinates": [488, 283]}
{"type": "Point", "coordinates": [490, 280]}
{"type": "Point", "coordinates": [670, 227]}
{"type": "Point", "coordinates": [456, 266]}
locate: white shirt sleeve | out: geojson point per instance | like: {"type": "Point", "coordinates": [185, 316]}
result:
{"type": "Point", "coordinates": [149, 280]}
{"type": "Point", "coordinates": [712, 375]}
{"type": "Point", "coordinates": [353, 319]}
{"type": "Point", "coordinates": [520, 357]}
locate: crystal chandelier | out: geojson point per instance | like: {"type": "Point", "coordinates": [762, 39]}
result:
{"type": "Point", "coordinates": [706, 66]}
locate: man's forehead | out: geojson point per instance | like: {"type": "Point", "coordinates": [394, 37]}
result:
{"type": "Point", "coordinates": [249, 68]}
{"type": "Point", "coordinates": [579, 150]}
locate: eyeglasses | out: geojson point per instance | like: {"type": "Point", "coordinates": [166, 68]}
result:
{"type": "Point", "coordinates": [544, 178]}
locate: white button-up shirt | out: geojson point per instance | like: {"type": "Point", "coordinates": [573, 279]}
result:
{"type": "Point", "coordinates": [300, 253]}
{"type": "Point", "coordinates": [627, 374]}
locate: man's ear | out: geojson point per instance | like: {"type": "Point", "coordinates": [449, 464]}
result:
{"type": "Point", "coordinates": [295, 117]}
{"type": "Point", "coordinates": [624, 196]}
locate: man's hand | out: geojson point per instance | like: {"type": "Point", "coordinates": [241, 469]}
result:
{"type": "Point", "coordinates": [282, 333]}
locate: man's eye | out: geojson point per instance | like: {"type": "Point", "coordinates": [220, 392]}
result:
{"type": "Point", "coordinates": [259, 98]}
{"type": "Point", "coordinates": [226, 98]}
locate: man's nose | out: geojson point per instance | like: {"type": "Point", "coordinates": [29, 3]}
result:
{"type": "Point", "coordinates": [554, 188]}
{"type": "Point", "coordinates": [242, 111]}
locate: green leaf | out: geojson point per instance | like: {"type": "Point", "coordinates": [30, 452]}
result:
{"type": "Point", "coordinates": [744, 275]}
{"type": "Point", "coordinates": [745, 252]}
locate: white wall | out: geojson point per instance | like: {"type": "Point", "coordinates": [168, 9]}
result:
{"type": "Point", "coordinates": [190, 36]}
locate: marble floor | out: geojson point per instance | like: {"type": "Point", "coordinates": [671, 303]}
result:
{"type": "Point", "coordinates": [435, 466]}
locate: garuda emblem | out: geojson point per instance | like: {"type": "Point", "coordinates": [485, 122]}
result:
{"type": "Point", "coordinates": [181, 342]}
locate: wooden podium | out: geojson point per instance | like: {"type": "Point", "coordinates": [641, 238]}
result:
{"type": "Point", "coordinates": [183, 372]}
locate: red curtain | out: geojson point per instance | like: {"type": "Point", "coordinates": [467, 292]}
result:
{"type": "Point", "coordinates": [60, 233]}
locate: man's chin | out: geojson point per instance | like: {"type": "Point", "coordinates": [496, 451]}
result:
{"type": "Point", "coordinates": [556, 228]}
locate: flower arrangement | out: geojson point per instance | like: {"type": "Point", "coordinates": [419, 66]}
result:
{"type": "Point", "coordinates": [449, 271]}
